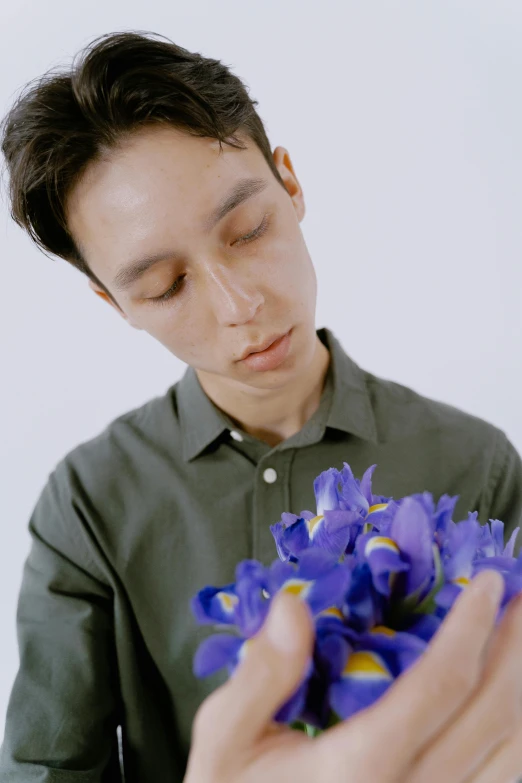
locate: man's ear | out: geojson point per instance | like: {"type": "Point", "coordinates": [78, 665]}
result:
{"type": "Point", "coordinates": [106, 298]}
{"type": "Point", "coordinates": [286, 171]}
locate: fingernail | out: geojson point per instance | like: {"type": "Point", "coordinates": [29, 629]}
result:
{"type": "Point", "coordinates": [284, 628]}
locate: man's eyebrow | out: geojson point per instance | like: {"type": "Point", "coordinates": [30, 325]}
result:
{"type": "Point", "coordinates": [242, 190]}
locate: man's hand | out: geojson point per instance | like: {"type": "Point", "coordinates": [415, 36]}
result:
{"type": "Point", "coordinates": [455, 716]}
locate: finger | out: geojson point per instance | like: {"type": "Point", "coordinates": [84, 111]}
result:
{"type": "Point", "coordinates": [510, 627]}
{"type": "Point", "coordinates": [418, 704]}
{"type": "Point", "coordinates": [273, 667]}
{"type": "Point", "coordinates": [489, 718]}
{"type": "Point", "coordinates": [505, 764]}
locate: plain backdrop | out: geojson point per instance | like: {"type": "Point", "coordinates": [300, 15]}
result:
{"type": "Point", "coordinates": [404, 123]}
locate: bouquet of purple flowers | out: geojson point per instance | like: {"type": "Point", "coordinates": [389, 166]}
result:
{"type": "Point", "coordinates": [379, 575]}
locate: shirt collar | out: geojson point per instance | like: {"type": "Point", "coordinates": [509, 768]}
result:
{"type": "Point", "coordinates": [201, 421]}
{"type": "Point", "coordinates": [350, 409]}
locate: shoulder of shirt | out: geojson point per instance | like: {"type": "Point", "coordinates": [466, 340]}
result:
{"type": "Point", "coordinates": [400, 411]}
{"type": "Point", "coordinates": [152, 425]}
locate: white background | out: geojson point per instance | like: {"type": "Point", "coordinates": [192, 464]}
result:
{"type": "Point", "coordinates": [404, 124]}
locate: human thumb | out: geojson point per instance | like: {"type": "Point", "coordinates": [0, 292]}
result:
{"type": "Point", "coordinates": [274, 665]}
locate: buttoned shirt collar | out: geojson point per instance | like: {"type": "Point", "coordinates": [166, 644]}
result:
{"type": "Point", "coordinates": [345, 405]}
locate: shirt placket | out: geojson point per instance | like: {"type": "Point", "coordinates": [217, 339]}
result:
{"type": "Point", "coordinates": [271, 497]}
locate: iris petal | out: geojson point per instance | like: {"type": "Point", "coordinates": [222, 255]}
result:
{"type": "Point", "coordinates": [363, 604]}
{"type": "Point", "coordinates": [328, 589]}
{"type": "Point", "coordinates": [351, 497]}
{"type": "Point", "coordinates": [335, 531]}
{"type": "Point", "coordinates": [510, 546]}
{"type": "Point", "coordinates": [278, 532]}
{"type": "Point", "coordinates": [318, 578]}
{"type": "Point", "coordinates": [443, 516]}
{"type": "Point", "coordinates": [411, 529]}
{"type": "Point", "coordinates": [497, 533]}
{"type": "Point", "coordinates": [485, 544]}
{"type": "Point", "coordinates": [447, 595]}
{"type": "Point", "coordinates": [325, 489]}
{"type": "Point", "coordinates": [425, 627]}
{"type": "Point", "coordinates": [213, 605]}
{"type": "Point", "coordinates": [384, 558]}
{"type": "Point", "coordinates": [460, 549]}
{"type": "Point", "coordinates": [332, 651]}
{"type": "Point", "coordinates": [315, 563]}
{"type": "Point", "coordinates": [297, 537]}
{"type": "Point", "coordinates": [293, 707]}
{"type": "Point", "coordinates": [366, 484]}
{"type": "Point", "coordinates": [398, 650]}
{"type": "Point", "coordinates": [364, 679]}
{"type": "Point", "coordinates": [214, 653]}
{"type": "Point", "coordinates": [252, 583]}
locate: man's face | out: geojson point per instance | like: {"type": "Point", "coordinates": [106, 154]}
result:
{"type": "Point", "coordinates": [224, 282]}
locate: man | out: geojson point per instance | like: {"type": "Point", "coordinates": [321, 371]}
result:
{"type": "Point", "coordinates": [148, 168]}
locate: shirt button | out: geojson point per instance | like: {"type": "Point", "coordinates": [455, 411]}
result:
{"type": "Point", "coordinates": [269, 475]}
{"type": "Point", "coordinates": [236, 435]}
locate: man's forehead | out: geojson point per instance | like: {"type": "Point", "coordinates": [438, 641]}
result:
{"type": "Point", "coordinates": [162, 162]}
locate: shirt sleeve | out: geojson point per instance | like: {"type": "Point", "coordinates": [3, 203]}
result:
{"type": "Point", "coordinates": [502, 498]}
{"type": "Point", "coordinates": [61, 722]}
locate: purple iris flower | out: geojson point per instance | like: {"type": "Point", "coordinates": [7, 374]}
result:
{"type": "Point", "coordinates": [400, 554]}
{"type": "Point", "coordinates": [491, 540]}
{"type": "Point", "coordinates": [383, 558]}
{"type": "Point", "coordinates": [215, 605]}
{"type": "Point", "coordinates": [379, 575]}
{"type": "Point", "coordinates": [372, 662]}
{"type": "Point", "coordinates": [317, 579]}
{"type": "Point", "coordinates": [440, 514]}
{"type": "Point", "coordinates": [328, 528]}
{"type": "Point", "coordinates": [344, 505]}
{"type": "Point", "coordinates": [363, 605]}
{"type": "Point", "coordinates": [469, 548]}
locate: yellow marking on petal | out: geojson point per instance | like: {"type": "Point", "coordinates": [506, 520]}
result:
{"type": "Point", "coordinates": [299, 587]}
{"type": "Point", "coordinates": [227, 601]}
{"type": "Point", "coordinates": [366, 665]}
{"type": "Point", "coordinates": [384, 630]}
{"type": "Point", "coordinates": [332, 612]}
{"type": "Point", "coordinates": [461, 581]}
{"type": "Point", "coordinates": [377, 507]}
{"type": "Point", "coordinates": [380, 542]}
{"type": "Point", "coordinates": [367, 527]}
{"type": "Point", "coordinates": [311, 524]}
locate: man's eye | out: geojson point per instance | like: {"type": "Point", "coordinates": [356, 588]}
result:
{"type": "Point", "coordinates": [170, 292]}
{"type": "Point", "coordinates": [176, 285]}
{"type": "Point", "coordinates": [255, 234]}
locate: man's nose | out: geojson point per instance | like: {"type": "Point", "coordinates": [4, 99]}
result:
{"type": "Point", "coordinates": [234, 299]}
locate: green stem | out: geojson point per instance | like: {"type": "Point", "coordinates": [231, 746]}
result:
{"type": "Point", "coordinates": [312, 731]}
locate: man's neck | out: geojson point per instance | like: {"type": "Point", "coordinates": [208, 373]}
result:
{"type": "Point", "coordinates": [277, 414]}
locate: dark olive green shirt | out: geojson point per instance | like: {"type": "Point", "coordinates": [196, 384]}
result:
{"type": "Point", "coordinates": [166, 500]}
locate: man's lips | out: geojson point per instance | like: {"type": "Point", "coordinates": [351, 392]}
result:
{"type": "Point", "coordinates": [272, 357]}
{"type": "Point", "coordinates": [261, 346]}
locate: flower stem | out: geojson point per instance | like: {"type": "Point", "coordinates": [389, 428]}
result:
{"type": "Point", "coordinates": [312, 731]}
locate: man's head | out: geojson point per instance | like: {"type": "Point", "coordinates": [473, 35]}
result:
{"type": "Point", "coordinates": [148, 168]}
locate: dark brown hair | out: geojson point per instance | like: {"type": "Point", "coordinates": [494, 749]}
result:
{"type": "Point", "coordinates": [118, 84]}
